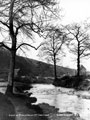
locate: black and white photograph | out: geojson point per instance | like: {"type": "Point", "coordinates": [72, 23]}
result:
{"type": "Point", "coordinates": [44, 59]}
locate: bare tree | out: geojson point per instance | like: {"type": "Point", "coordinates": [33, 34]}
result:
{"type": "Point", "coordinates": [78, 42]}
{"type": "Point", "coordinates": [51, 49]}
{"type": "Point", "coordinates": [19, 17]}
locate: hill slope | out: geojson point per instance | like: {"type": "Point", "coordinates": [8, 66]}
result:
{"type": "Point", "coordinates": [30, 67]}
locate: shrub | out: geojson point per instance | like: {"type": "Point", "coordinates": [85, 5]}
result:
{"type": "Point", "coordinates": [25, 79]}
{"type": "Point", "coordinates": [69, 81]}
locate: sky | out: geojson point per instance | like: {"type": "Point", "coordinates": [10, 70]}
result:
{"type": "Point", "coordinates": [72, 11]}
{"type": "Point", "coordinates": [75, 11]}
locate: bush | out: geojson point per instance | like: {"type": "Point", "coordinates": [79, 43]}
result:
{"type": "Point", "coordinates": [25, 79]}
{"type": "Point", "coordinates": [69, 81]}
{"type": "Point", "coordinates": [22, 84]}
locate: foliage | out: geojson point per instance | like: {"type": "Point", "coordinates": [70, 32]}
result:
{"type": "Point", "coordinates": [70, 81]}
{"type": "Point", "coordinates": [25, 79]}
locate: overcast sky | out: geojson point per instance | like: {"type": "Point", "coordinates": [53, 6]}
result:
{"type": "Point", "coordinates": [73, 11]}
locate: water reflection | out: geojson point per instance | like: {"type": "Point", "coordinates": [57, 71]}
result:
{"type": "Point", "coordinates": [60, 98]}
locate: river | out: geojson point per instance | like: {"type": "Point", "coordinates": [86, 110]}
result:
{"type": "Point", "coordinates": [63, 98]}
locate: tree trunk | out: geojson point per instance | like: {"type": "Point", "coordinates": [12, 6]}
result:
{"type": "Point", "coordinates": [13, 49]}
{"type": "Point", "coordinates": [55, 69]}
{"type": "Point", "coordinates": [78, 61]}
{"type": "Point", "coordinates": [12, 65]}
{"type": "Point", "coordinates": [78, 67]}
{"type": "Point", "coordinates": [11, 71]}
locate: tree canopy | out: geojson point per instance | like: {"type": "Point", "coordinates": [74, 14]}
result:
{"type": "Point", "coordinates": [24, 17]}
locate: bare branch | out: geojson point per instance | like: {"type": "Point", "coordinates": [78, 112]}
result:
{"type": "Point", "coordinates": [29, 25]}
{"type": "Point", "coordinates": [26, 44]}
{"type": "Point", "coordinates": [82, 51]}
{"type": "Point", "coordinates": [5, 46]}
{"type": "Point", "coordinates": [4, 23]}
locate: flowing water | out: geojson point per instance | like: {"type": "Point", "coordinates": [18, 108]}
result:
{"type": "Point", "coordinates": [64, 99]}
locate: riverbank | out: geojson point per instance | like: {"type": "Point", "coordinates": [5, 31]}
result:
{"type": "Point", "coordinates": [23, 110]}
{"type": "Point", "coordinates": [77, 83]}
{"type": "Point", "coordinates": [6, 108]}
{"type": "Point", "coordinates": [18, 108]}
